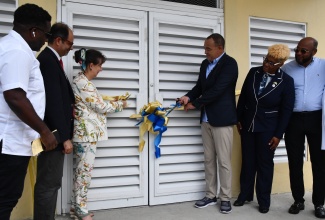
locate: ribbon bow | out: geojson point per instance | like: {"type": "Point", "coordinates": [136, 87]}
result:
{"type": "Point", "coordinates": [153, 119]}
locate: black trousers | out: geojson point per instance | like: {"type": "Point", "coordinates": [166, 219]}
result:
{"type": "Point", "coordinates": [13, 170]}
{"type": "Point", "coordinates": [257, 161]}
{"type": "Point", "coordinates": [310, 125]}
{"type": "Point", "coordinates": [48, 182]}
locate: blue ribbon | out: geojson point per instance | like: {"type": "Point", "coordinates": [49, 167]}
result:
{"type": "Point", "coordinates": [158, 124]}
{"type": "Point", "coordinates": [143, 113]}
{"type": "Point", "coordinates": [177, 105]}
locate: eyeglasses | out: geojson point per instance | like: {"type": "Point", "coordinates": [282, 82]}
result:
{"type": "Point", "coordinates": [265, 60]}
{"type": "Point", "coordinates": [302, 50]}
{"type": "Point", "coordinates": [63, 40]}
{"type": "Point", "coordinates": [47, 34]}
{"type": "Point", "coordinates": [69, 42]}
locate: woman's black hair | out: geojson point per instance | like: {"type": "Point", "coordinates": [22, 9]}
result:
{"type": "Point", "coordinates": [85, 57]}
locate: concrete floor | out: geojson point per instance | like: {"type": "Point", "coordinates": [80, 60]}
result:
{"type": "Point", "coordinates": [186, 211]}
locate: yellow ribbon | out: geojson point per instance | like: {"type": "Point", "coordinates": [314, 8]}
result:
{"type": "Point", "coordinates": [116, 98]}
{"type": "Point", "coordinates": [146, 125]}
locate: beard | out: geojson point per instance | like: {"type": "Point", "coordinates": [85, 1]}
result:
{"type": "Point", "coordinates": [303, 60]}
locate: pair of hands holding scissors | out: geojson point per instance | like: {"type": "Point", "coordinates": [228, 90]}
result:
{"type": "Point", "coordinates": [185, 100]}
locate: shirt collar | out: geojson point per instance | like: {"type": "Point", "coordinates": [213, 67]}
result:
{"type": "Point", "coordinates": [269, 74]}
{"type": "Point", "coordinates": [217, 59]}
{"type": "Point", "coordinates": [54, 51]}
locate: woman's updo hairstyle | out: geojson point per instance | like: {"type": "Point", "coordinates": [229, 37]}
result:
{"type": "Point", "coordinates": [280, 52]}
{"type": "Point", "coordinates": [85, 57]}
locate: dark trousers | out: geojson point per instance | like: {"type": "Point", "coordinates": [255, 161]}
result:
{"type": "Point", "coordinates": [309, 125]}
{"type": "Point", "coordinates": [13, 170]}
{"type": "Point", "coordinates": [48, 182]}
{"type": "Point", "coordinates": [257, 160]}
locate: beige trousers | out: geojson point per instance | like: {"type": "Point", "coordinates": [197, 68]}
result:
{"type": "Point", "coordinates": [217, 142]}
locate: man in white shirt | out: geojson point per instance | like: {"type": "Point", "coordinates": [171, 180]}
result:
{"type": "Point", "coordinates": [22, 101]}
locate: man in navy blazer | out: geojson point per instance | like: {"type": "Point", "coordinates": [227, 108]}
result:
{"type": "Point", "coordinates": [214, 95]}
{"type": "Point", "coordinates": [59, 116]}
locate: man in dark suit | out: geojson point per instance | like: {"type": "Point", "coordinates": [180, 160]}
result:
{"type": "Point", "coordinates": [214, 95]}
{"type": "Point", "coordinates": [59, 116]}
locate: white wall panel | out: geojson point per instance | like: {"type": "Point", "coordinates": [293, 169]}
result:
{"type": "Point", "coordinates": [7, 9]}
{"type": "Point", "coordinates": [266, 32]}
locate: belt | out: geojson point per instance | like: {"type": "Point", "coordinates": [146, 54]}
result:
{"type": "Point", "coordinates": [307, 112]}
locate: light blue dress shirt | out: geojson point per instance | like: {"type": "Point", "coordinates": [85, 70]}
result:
{"type": "Point", "coordinates": [209, 68]}
{"type": "Point", "coordinates": [309, 84]}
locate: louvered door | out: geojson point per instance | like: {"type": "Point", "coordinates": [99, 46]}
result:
{"type": "Point", "coordinates": [120, 176]}
{"type": "Point", "coordinates": [176, 54]}
{"type": "Point", "coordinates": [154, 56]}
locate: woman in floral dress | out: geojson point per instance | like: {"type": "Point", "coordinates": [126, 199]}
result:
{"type": "Point", "coordinates": [89, 126]}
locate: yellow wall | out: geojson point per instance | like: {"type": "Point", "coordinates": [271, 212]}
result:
{"type": "Point", "coordinates": [237, 13]}
{"type": "Point", "coordinates": [24, 208]}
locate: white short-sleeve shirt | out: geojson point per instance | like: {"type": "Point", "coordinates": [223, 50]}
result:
{"type": "Point", "coordinates": [19, 68]}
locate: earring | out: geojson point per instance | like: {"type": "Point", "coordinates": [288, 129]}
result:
{"type": "Point", "coordinates": [34, 33]}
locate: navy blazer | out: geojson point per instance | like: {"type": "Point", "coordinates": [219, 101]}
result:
{"type": "Point", "coordinates": [59, 96]}
{"type": "Point", "coordinates": [216, 94]}
{"type": "Point", "coordinates": [269, 111]}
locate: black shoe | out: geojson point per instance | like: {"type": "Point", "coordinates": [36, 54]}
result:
{"type": "Point", "coordinates": [225, 207]}
{"type": "Point", "coordinates": [240, 202]}
{"type": "Point", "coordinates": [263, 209]}
{"type": "Point", "coordinates": [296, 208]}
{"type": "Point", "coordinates": [319, 211]}
{"type": "Point", "coordinates": [205, 202]}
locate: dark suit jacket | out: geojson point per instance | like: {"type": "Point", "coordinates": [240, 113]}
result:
{"type": "Point", "coordinates": [59, 96]}
{"type": "Point", "coordinates": [216, 94]}
{"type": "Point", "coordinates": [269, 111]}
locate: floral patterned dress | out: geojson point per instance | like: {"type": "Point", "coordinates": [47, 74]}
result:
{"type": "Point", "coordinates": [89, 127]}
